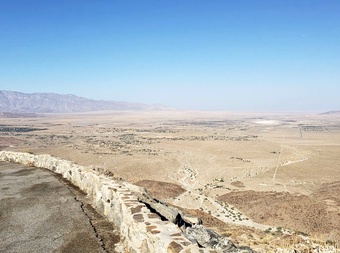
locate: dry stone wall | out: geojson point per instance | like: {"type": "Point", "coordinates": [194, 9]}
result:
{"type": "Point", "coordinates": [141, 229]}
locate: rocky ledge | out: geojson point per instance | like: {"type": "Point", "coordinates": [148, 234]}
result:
{"type": "Point", "coordinates": [146, 225]}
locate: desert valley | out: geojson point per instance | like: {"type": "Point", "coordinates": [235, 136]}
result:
{"type": "Point", "coordinates": [264, 180]}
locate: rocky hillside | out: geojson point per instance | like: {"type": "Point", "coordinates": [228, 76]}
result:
{"type": "Point", "coordinates": [18, 102]}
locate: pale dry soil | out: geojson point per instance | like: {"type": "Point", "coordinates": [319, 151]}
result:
{"type": "Point", "coordinates": [240, 172]}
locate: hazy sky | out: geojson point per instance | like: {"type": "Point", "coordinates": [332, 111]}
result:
{"type": "Point", "coordinates": [275, 55]}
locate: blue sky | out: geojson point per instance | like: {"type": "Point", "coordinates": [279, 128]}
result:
{"type": "Point", "coordinates": [242, 55]}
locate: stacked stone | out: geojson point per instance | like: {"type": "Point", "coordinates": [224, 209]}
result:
{"type": "Point", "coordinates": [141, 230]}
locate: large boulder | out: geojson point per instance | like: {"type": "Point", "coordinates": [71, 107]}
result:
{"type": "Point", "coordinates": [207, 238]}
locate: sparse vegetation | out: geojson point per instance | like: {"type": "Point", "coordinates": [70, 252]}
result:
{"type": "Point", "coordinates": [231, 159]}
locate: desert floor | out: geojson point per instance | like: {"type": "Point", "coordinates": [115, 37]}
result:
{"type": "Point", "coordinates": [273, 172]}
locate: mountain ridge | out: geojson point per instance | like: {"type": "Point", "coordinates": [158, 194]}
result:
{"type": "Point", "coordinates": [19, 102]}
{"type": "Point", "coordinates": [331, 113]}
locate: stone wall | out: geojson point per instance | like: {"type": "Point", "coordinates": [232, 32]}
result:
{"type": "Point", "coordinates": [146, 225]}
{"type": "Point", "coordinates": [141, 230]}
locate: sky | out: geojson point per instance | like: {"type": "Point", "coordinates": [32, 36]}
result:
{"type": "Point", "coordinates": [240, 55]}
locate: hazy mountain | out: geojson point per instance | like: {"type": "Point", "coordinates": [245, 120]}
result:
{"type": "Point", "coordinates": [18, 115]}
{"type": "Point", "coordinates": [18, 102]}
{"type": "Point", "coordinates": [331, 113]}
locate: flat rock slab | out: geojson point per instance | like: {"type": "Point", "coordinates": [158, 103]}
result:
{"type": "Point", "coordinates": [39, 213]}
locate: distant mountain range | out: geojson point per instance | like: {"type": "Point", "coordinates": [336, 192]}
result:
{"type": "Point", "coordinates": [18, 102]}
{"type": "Point", "coordinates": [331, 113]}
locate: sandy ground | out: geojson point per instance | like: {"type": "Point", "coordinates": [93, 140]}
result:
{"type": "Point", "coordinates": [218, 158]}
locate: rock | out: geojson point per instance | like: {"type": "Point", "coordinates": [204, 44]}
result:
{"type": "Point", "coordinates": [164, 211]}
{"type": "Point", "coordinates": [208, 238]}
{"type": "Point", "coordinates": [211, 240]}
{"type": "Point", "coordinates": [174, 247]}
{"type": "Point", "coordinates": [191, 220]}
